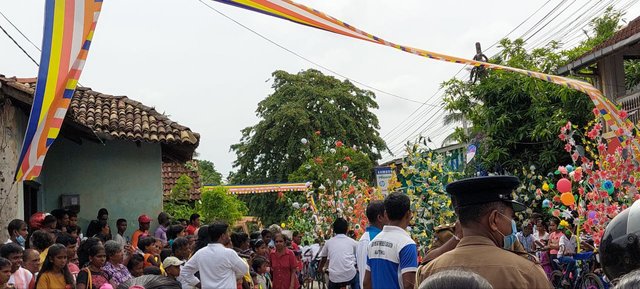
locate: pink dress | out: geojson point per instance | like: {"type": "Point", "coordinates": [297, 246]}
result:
{"type": "Point", "coordinates": [545, 261]}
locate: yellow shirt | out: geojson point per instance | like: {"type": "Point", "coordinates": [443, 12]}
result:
{"type": "Point", "coordinates": [50, 280]}
{"type": "Point", "coordinates": [43, 256]}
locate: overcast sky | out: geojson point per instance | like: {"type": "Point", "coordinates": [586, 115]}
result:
{"type": "Point", "coordinates": [209, 73]}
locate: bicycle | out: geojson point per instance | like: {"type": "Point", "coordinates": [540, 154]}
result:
{"type": "Point", "coordinates": [310, 272]}
{"type": "Point", "coordinates": [585, 277]}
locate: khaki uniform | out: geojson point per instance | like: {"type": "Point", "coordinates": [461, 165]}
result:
{"type": "Point", "coordinates": [501, 268]}
{"type": "Point", "coordinates": [442, 234]}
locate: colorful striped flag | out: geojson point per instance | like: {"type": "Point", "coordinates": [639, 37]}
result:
{"type": "Point", "coordinates": [68, 31]}
{"type": "Point", "coordinates": [298, 13]}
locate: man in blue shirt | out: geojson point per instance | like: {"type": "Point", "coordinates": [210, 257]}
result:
{"type": "Point", "coordinates": [393, 256]}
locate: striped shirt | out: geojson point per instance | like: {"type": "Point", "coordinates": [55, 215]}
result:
{"type": "Point", "coordinates": [391, 254]}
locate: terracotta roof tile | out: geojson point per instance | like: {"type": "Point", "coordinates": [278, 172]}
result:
{"type": "Point", "coordinates": [631, 29]}
{"type": "Point", "coordinates": [171, 171]}
{"type": "Point", "coordinates": [118, 116]}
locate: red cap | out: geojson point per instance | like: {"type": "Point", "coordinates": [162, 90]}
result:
{"type": "Point", "coordinates": [144, 219]}
{"type": "Point", "coordinates": [35, 222]}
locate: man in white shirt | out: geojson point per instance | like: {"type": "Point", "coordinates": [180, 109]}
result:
{"type": "Point", "coordinates": [341, 253]}
{"type": "Point", "coordinates": [20, 278]}
{"type": "Point", "coordinates": [219, 267]}
{"type": "Point", "coordinates": [377, 220]}
{"type": "Point", "coordinates": [568, 244]}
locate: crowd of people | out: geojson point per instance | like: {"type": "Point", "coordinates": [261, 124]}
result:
{"type": "Point", "coordinates": [484, 249]}
{"type": "Point", "coordinates": [51, 251]}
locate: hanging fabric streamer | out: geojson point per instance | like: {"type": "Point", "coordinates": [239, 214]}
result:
{"type": "Point", "coordinates": [298, 13]}
{"type": "Point", "coordinates": [68, 31]}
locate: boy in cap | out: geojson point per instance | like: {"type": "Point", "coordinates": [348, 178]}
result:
{"type": "Point", "coordinates": [172, 267]}
{"type": "Point", "coordinates": [486, 211]}
{"type": "Point", "coordinates": [143, 230]}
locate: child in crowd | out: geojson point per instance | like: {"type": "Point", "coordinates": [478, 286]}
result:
{"type": "Point", "coordinates": [92, 276]}
{"type": "Point", "coordinates": [105, 232]}
{"type": "Point", "coordinates": [260, 248]}
{"type": "Point", "coordinates": [5, 272]}
{"type": "Point", "coordinates": [54, 272]}
{"type": "Point", "coordinates": [545, 260]}
{"type": "Point", "coordinates": [136, 265]}
{"type": "Point", "coordinates": [260, 266]}
{"type": "Point", "coordinates": [121, 225]}
{"type": "Point", "coordinates": [172, 267]}
{"type": "Point", "coordinates": [181, 248]}
{"type": "Point", "coordinates": [151, 248]}
{"type": "Point", "coordinates": [175, 231]}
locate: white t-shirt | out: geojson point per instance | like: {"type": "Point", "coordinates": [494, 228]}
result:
{"type": "Point", "coordinates": [568, 244]}
{"type": "Point", "coordinates": [315, 249]}
{"type": "Point", "coordinates": [341, 252]}
{"type": "Point", "coordinates": [21, 279]}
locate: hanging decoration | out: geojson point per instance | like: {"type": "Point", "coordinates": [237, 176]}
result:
{"type": "Point", "coordinates": [298, 13]}
{"type": "Point", "coordinates": [68, 31]}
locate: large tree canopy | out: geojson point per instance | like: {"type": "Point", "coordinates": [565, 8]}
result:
{"type": "Point", "coordinates": [208, 173]}
{"type": "Point", "coordinates": [515, 118]}
{"type": "Point", "coordinates": [301, 105]}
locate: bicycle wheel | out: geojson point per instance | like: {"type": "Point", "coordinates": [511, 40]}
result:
{"type": "Point", "coordinates": [556, 279]}
{"type": "Point", "coordinates": [591, 281]}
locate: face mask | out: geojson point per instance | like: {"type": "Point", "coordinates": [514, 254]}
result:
{"type": "Point", "coordinates": [21, 240]}
{"type": "Point", "coordinates": [510, 239]}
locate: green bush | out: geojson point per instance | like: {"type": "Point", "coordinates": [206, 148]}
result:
{"type": "Point", "coordinates": [218, 204]}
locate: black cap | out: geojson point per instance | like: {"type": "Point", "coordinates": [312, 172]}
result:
{"type": "Point", "coordinates": [481, 190]}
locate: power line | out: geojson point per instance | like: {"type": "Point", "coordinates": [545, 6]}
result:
{"type": "Point", "coordinates": [19, 31]}
{"type": "Point", "coordinates": [549, 22]}
{"type": "Point", "coordinates": [521, 23]}
{"type": "Point", "coordinates": [307, 59]}
{"type": "Point", "coordinates": [17, 44]}
{"type": "Point", "coordinates": [391, 141]}
{"type": "Point", "coordinates": [583, 21]}
{"type": "Point", "coordinates": [549, 35]}
{"type": "Point", "coordinates": [543, 18]}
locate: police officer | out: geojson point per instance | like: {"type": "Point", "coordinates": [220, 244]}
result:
{"type": "Point", "coordinates": [486, 210]}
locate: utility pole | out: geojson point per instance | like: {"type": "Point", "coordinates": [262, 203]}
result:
{"type": "Point", "coordinates": [478, 72]}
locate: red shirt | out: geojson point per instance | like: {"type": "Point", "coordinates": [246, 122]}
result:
{"type": "Point", "coordinates": [191, 230]}
{"type": "Point", "coordinates": [281, 265]}
{"type": "Point", "coordinates": [299, 257]}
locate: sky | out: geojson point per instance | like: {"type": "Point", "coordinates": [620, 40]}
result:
{"type": "Point", "coordinates": [208, 73]}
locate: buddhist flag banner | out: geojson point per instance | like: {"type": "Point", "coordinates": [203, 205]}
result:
{"type": "Point", "coordinates": [68, 31]}
{"type": "Point", "coordinates": [289, 10]}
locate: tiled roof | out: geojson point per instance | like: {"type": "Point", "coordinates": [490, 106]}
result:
{"type": "Point", "coordinates": [118, 117]}
{"type": "Point", "coordinates": [626, 32]}
{"type": "Point", "coordinates": [171, 171]}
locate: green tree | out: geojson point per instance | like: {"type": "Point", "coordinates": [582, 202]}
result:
{"type": "Point", "coordinates": [270, 207]}
{"type": "Point", "coordinates": [329, 166]}
{"type": "Point", "coordinates": [217, 204]}
{"type": "Point", "coordinates": [514, 118]}
{"type": "Point", "coordinates": [178, 204]}
{"type": "Point", "coordinates": [182, 188]}
{"type": "Point", "coordinates": [300, 105]}
{"type": "Point", "coordinates": [208, 173]}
